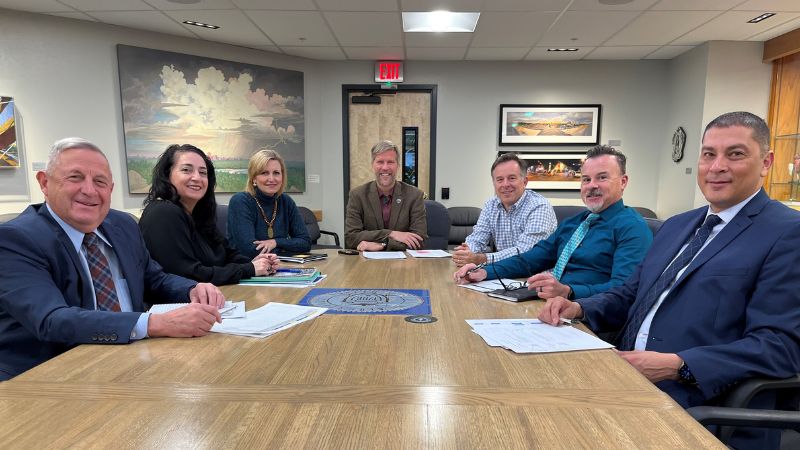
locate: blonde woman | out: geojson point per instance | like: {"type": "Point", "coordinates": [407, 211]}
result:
{"type": "Point", "coordinates": [264, 218]}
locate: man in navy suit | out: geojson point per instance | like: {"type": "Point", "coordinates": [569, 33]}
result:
{"type": "Point", "coordinates": [72, 271]}
{"type": "Point", "coordinates": [715, 300]}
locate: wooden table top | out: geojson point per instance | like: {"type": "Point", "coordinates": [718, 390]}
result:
{"type": "Point", "coordinates": [345, 381]}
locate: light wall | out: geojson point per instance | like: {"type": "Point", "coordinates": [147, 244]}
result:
{"type": "Point", "coordinates": [63, 75]}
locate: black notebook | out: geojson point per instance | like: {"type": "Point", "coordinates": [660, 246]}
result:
{"type": "Point", "coordinates": [514, 295]}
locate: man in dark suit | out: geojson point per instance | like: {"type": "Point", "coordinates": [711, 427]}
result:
{"type": "Point", "coordinates": [715, 301]}
{"type": "Point", "coordinates": [385, 214]}
{"type": "Point", "coordinates": [72, 271]}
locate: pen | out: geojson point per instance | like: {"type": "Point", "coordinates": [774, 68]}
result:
{"type": "Point", "coordinates": [565, 321]}
{"type": "Point", "coordinates": [478, 267]}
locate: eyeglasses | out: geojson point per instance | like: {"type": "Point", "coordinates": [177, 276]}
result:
{"type": "Point", "coordinates": [514, 285]}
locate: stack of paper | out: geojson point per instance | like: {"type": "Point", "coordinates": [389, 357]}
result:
{"type": "Point", "coordinates": [384, 255]}
{"type": "Point", "coordinates": [286, 277]}
{"type": "Point", "coordinates": [533, 336]}
{"type": "Point", "coordinates": [429, 253]}
{"type": "Point", "coordinates": [301, 258]}
{"type": "Point", "coordinates": [488, 285]}
{"type": "Point", "coordinates": [268, 320]}
{"type": "Point", "coordinates": [231, 310]}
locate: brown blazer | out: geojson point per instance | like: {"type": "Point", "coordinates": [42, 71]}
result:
{"type": "Point", "coordinates": [364, 221]}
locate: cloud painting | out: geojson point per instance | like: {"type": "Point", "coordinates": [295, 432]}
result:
{"type": "Point", "coordinates": [230, 110]}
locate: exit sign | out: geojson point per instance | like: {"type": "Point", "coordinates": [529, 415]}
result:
{"type": "Point", "coordinates": [389, 71]}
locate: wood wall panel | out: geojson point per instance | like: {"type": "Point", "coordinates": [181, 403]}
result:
{"type": "Point", "coordinates": [784, 119]}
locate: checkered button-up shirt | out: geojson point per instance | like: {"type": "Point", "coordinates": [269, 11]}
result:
{"type": "Point", "coordinates": [528, 221]}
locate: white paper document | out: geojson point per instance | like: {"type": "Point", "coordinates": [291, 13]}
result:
{"type": "Point", "coordinates": [268, 320]}
{"type": "Point", "coordinates": [488, 285]}
{"type": "Point", "coordinates": [231, 310]}
{"type": "Point", "coordinates": [295, 284]}
{"type": "Point", "coordinates": [533, 336]}
{"type": "Point", "coordinates": [384, 255]}
{"type": "Point", "coordinates": [429, 253]}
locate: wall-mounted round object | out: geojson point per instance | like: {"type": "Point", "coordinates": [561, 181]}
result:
{"type": "Point", "coordinates": [678, 143]}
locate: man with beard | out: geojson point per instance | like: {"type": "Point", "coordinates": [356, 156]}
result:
{"type": "Point", "coordinates": [588, 253]}
{"type": "Point", "coordinates": [385, 214]}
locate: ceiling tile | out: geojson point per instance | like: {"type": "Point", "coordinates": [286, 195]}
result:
{"type": "Point", "coordinates": [511, 29]}
{"type": "Point", "coordinates": [288, 27]}
{"type": "Point", "coordinates": [145, 20]}
{"type": "Point", "coordinates": [730, 26]}
{"type": "Point", "coordinates": [669, 51]}
{"type": "Point", "coordinates": [525, 5]}
{"type": "Point", "coordinates": [108, 5]}
{"type": "Point", "coordinates": [375, 53]}
{"type": "Point", "coordinates": [438, 39]}
{"type": "Point", "coordinates": [366, 28]}
{"type": "Point", "coordinates": [288, 5]}
{"type": "Point", "coordinates": [582, 25]}
{"type": "Point", "coordinates": [267, 48]}
{"type": "Point", "coordinates": [235, 28]}
{"type": "Point", "coordinates": [35, 5]}
{"type": "Point", "coordinates": [497, 54]}
{"type": "Point", "coordinates": [323, 53]}
{"type": "Point", "coordinates": [436, 53]}
{"type": "Point", "coordinates": [357, 5]}
{"type": "Point", "coordinates": [166, 5]}
{"type": "Point", "coordinates": [541, 54]}
{"type": "Point", "coordinates": [436, 5]}
{"type": "Point", "coordinates": [776, 31]}
{"type": "Point", "coordinates": [660, 27]}
{"type": "Point", "coordinates": [770, 5]}
{"type": "Point", "coordinates": [623, 52]}
{"type": "Point", "coordinates": [694, 5]}
{"type": "Point", "coordinates": [73, 15]}
{"type": "Point", "coordinates": [594, 5]}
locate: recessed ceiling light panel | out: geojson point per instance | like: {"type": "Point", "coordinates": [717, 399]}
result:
{"type": "Point", "coordinates": [200, 24]}
{"type": "Point", "coordinates": [764, 16]}
{"type": "Point", "coordinates": [440, 22]}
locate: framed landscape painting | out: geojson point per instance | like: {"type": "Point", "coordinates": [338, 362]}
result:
{"type": "Point", "coordinates": [228, 109]}
{"type": "Point", "coordinates": [554, 171]}
{"type": "Point", "coordinates": [549, 124]}
{"type": "Point", "coordinates": [9, 152]}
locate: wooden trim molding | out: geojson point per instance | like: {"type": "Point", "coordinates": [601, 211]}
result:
{"type": "Point", "coordinates": [783, 45]}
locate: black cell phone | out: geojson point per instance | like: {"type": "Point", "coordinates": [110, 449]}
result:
{"type": "Point", "coordinates": [347, 251]}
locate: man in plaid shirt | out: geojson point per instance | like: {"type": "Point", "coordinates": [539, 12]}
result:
{"type": "Point", "coordinates": [514, 219]}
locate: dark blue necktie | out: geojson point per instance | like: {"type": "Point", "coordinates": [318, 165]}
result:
{"type": "Point", "coordinates": [627, 338]}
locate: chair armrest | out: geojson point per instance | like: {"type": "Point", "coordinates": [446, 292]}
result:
{"type": "Point", "coordinates": [335, 236]}
{"type": "Point", "coordinates": [764, 418]}
{"type": "Point", "coordinates": [740, 396]}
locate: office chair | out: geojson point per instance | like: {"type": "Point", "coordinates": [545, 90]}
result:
{"type": "Point", "coordinates": [734, 412]}
{"type": "Point", "coordinates": [438, 225]}
{"type": "Point", "coordinates": [462, 220]}
{"type": "Point", "coordinates": [314, 231]}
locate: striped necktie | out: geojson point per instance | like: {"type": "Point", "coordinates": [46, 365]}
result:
{"type": "Point", "coordinates": [104, 291]}
{"type": "Point", "coordinates": [573, 243]}
{"type": "Point", "coordinates": [640, 309]}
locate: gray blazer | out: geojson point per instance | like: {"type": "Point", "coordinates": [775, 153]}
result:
{"type": "Point", "coordinates": [364, 221]}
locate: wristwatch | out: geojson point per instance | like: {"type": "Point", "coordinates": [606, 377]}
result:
{"type": "Point", "coordinates": [685, 375]}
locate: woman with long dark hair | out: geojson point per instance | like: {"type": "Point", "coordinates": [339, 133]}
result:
{"type": "Point", "coordinates": [179, 223]}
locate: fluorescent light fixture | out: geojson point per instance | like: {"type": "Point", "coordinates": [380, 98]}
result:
{"type": "Point", "coordinates": [200, 24]}
{"type": "Point", "coordinates": [764, 16]}
{"type": "Point", "coordinates": [440, 22]}
{"type": "Point", "coordinates": [571, 49]}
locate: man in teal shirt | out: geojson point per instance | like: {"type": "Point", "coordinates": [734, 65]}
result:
{"type": "Point", "coordinates": [588, 253]}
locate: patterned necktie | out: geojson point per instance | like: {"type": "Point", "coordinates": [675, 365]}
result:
{"type": "Point", "coordinates": [573, 243]}
{"type": "Point", "coordinates": [104, 291]}
{"type": "Point", "coordinates": [640, 309]}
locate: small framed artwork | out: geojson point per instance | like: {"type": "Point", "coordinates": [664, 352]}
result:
{"type": "Point", "coordinates": [9, 152]}
{"type": "Point", "coordinates": [549, 125]}
{"type": "Point", "coordinates": [559, 171]}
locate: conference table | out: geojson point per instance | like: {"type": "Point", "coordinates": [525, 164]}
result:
{"type": "Point", "coordinates": [345, 381]}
